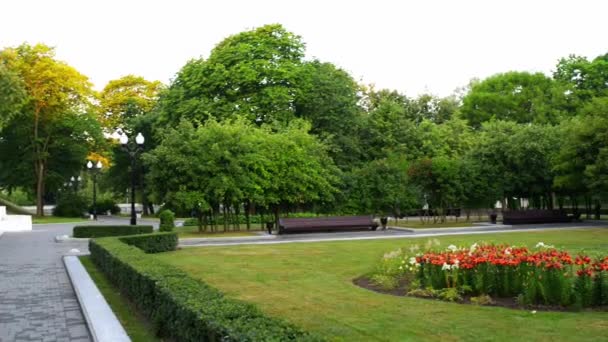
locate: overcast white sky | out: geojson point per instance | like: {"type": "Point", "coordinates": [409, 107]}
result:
{"type": "Point", "coordinates": [412, 46]}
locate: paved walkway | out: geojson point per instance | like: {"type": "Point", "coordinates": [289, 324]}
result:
{"type": "Point", "coordinates": [391, 233]}
{"type": "Point", "coordinates": [37, 302]}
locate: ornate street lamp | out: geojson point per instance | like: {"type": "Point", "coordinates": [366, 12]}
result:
{"type": "Point", "coordinates": [132, 148]}
{"type": "Point", "coordinates": [75, 181]}
{"type": "Point", "coordinates": [94, 169]}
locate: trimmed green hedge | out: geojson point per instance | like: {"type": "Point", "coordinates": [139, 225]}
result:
{"type": "Point", "coordinates": [181, 307]}
{"type": "Point", "coordinates": [152, 243]}
{"type": "Point", "coordinates": [103, 231]}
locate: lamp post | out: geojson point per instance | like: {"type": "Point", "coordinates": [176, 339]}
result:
{"type": "Point", "coordinates": [94, 168]}
{"type": "Point", "coordinates": [132, 148]}
{"type": "Point", "coordinates": [75, 181]}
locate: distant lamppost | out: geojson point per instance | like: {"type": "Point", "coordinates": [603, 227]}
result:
{"type": "Point", "coordinates": [132, 148]}
{"type": "Point", "coordinates": [94, 169]}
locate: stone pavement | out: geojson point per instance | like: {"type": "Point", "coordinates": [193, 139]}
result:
{"type": "Point", "coordinates": [37, 302]}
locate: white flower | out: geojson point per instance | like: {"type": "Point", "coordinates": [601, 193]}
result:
{"type": "Point", "coordinates": [455, 266]}
{"type": "Point", "coordinates": [508, 251]}
{"type": "Point", "coordinates": [452, 248]}
{"type": "Point", "coordinates": [473, 248]}
{"type": "Point", "coordinates": [542, 245]}
{"type": "Point", "coordinates": [533, 312]}
{"type": "Point", "coordinates": [392, 254]}
{"type": "Point", "coordinates": [445, 267]}
{"type": "Point", "coordinates": [456, 262]}
{"type": "Point", "coordinates": [413, 261]}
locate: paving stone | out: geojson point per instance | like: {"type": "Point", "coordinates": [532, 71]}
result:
{"type": "Point", "coordinates": [36, 297]}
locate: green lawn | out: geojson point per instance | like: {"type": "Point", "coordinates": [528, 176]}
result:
{"type": "Point", "coordinates": [54, 219]}
{"type": "Point", "coordinates": [192, 232]}
{"type": "Point", "coordinates": [310, 284]}
{"type": "Point", "coordinates": [134, 323]}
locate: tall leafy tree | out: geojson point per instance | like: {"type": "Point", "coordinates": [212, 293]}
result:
{"type": "Point", "coordinates": [12, 93]}
{"type": "Point", "coordinates": [250, 74]}
{"type": "Point", "coordinates": [328, 97]}
{"type": "Point", "coordinates": [582, 78]}
{"type": "Point", "coordinates": [515, 96]}
{"type": "Point", "coordinates": [54, 90]}
{"type": "Point", "coordinates": [235, 162]}
{"type": "Point", "coordinates": [125, 98]}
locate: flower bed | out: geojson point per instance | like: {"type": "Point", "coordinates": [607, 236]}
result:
{"type": "Point", "coordinates": [542, 275]}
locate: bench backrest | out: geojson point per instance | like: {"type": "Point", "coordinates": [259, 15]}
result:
{"type": "Point", "coordinates": [533, 213]}
{"type": "Point", "coordinates": [335, 221]}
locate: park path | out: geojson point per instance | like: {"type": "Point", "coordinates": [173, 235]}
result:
{"type": "Point", "coordinates": [391, 233]}
{"type": "Point", "coordinates": [37, 302]}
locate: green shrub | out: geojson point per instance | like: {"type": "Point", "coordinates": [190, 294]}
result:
{"type": "Point", "coordinates": [482, 300]}
{"type": "Point", "coordinates": [167, 220]}
{"type": "Point", "coordinates": [103, 231]}
{"type": "Point", "coordinates": [179, 306]}
{"type": "Point", "coordinates": [154, 243]}
{"type": "Point", "coordinates": [70, 205]}
{"type": "Point", "coordinates": [104, 205]}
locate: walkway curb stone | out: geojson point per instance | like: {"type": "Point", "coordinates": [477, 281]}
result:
{"type": "Point", "coordinates": [103, 324]}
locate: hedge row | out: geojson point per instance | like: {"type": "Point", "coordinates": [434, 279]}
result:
{"type": "Point", "coordinates": [152, 243]}
{"type": "Point", "coordinates": [180, 307]}
{"type": "Point", "coordinates": [103, 231]}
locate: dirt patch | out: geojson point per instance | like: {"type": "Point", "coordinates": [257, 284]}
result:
{"type": "Point", "coordinates": [403, 288]}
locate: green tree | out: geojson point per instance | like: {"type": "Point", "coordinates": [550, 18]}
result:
{"type": "Point", "coordinates": [514, 96]}
{"type": "Point", "coordinates": [251, 74]}
{"type": "Point", "coordinates": [380, 187]}
{"type": "Point", "coordinates": [328, 97]}
{"type": "Point", "coordinates": [54, 90]}
{"type": "Point", "coordinates": [582, 161]}
{"type": "Point", "coordinates": [233, 163]}
{"type": "Point", "coordinates": [516, 160]}
{"type": "Point", "coordinates": [582, 78]}
{"type": "Point", "coordinates": [125, 98]}
{"type": "Point", "coordinates": [12, 93]}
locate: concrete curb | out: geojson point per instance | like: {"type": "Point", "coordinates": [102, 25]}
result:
{"type": "Point", "coordinates": [195, 241]}
{"type": "Point", "coordinates": [382, 237]}
{"type": "Point", "coordinates": [454, 229]}
{"type": "Point", "coordinates": [66, 238]}
{"type": "Point", "coordinates": [101, 321]}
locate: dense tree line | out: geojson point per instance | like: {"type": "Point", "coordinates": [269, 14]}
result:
{"type": "Point", "coordinates": [256, 127]}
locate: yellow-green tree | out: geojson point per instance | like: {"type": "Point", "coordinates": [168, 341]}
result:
{"type": "Point", "coordinates": [54, 90]}
{"type": "Point", "coordinates": [125, 98]}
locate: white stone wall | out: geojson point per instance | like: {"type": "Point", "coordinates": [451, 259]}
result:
{"type": "Point", "coordinates": [14, 223]}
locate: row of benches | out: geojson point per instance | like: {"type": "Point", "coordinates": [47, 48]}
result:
{"type": "Point", "coordinates": [294, 225]}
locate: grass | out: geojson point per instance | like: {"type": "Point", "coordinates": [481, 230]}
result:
{"type": "Point", "coordinates": [192, 232]}
{"type": "Point", "coordinates": [310, 284]}
{"type": "Point", "coordinates": [136, 326]}
{"type": "Point", "coordinates": [55, 219]}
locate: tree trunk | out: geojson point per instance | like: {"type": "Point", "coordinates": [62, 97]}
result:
{"type": "Point", "coordinates": [247, 212]}
{"type": "Point", "coordinates": [276, 216]}
{"type": "Point", "coordinates": [40, 188]}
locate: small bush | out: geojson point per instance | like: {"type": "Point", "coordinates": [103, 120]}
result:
{"type": "Point", "coordinates": [384, 281]}
{"type": "Point", "coordinates": [167, 221]}
{"type": "Point", "coordinates": [103, 231]}
{"type": "Point", "coordinates": [482, 300]}
{"type": "Point", "coordinates": [70, 205]}
{"type": "Point", "coordinates": [154, 243]}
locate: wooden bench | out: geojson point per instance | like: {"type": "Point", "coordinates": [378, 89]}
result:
{"type": "Point", "coordinates": [534, 216]}
{"type": "Point", "coordinates": [316, 224]}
